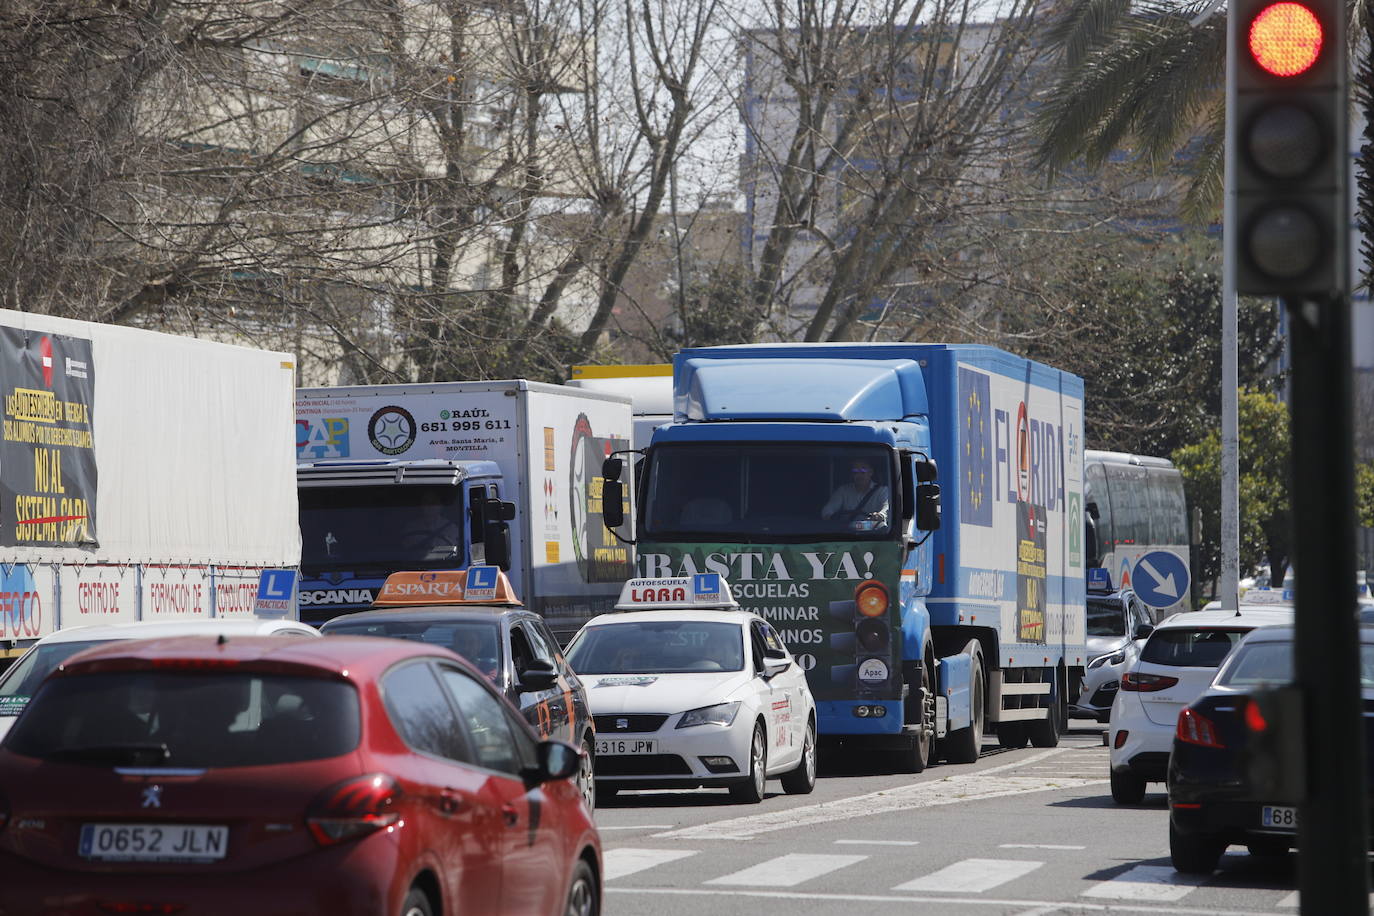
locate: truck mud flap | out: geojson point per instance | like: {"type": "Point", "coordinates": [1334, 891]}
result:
{"type": "Point", "coordinates": [953, 673]}
{"type": "Point", "coordinates": [1017, 694]}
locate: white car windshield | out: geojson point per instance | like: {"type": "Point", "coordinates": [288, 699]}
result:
{"type": "Point", "coordinates": [660, 647]}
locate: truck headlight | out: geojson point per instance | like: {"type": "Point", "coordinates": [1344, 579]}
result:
{"type": "Point", "coordinates": [720, 714]}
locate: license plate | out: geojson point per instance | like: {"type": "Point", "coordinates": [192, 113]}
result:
{"type": "Point", "coordinates": [1276, 817]}
{"type": "Point", "coordinates": [626, 746]}
{"type": "Point", "coordinates": [153, 842]}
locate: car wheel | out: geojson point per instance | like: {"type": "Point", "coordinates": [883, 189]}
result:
{"type": "Point", "coordinates": [583, 896]}
{"type": "Point", "coordinates": [964, 745]}
{"type": "Point", "coordinates": [1194, 853]}
{"type": "Point", "coordinates": [751, 790]}
{"type": "Point", "coordinates": [1127, 788]}
{"type": "Point", "coordinates": [586, 775]}
{"type": "Point", "coordinates": [416, 904]}
{"type": "Point", "coordinates": [803, 779]}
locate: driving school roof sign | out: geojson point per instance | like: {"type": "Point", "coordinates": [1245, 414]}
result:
{"type": "Point", "coordinates": [703, 591]}
{"type": "Point", "coordinates": [479, 585]}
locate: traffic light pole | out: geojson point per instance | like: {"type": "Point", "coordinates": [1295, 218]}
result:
{"type": "Point", "coordinates": [1333, 863]}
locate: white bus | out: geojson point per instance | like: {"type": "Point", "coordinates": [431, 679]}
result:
{"type": "Point", "coordinates": [1135, 506]}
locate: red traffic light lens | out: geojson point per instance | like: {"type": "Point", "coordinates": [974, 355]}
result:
{"type": "Point", "coordinates": [1285, 38]}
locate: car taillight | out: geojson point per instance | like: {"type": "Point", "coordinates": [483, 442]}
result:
{"type": "Point", "coordinates": [1195, 728]}
{"type": "Point", "coordinates": [354, 808]}
{"type": "Point", "coordinates": [1146, 683]}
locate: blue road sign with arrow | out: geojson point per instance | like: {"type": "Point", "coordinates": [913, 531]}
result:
{"type": "Point", "coordinates": [1160, 578]}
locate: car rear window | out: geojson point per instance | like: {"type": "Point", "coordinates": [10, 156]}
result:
{"type": "Point", "coordinates": [659, 647]}
{"type": "Point", "coordinates": [192, 719]}
{"type": "Point", "coordinates": [1187, 647]}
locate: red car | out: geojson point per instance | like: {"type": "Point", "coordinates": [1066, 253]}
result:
{"type": "Point", "coordinates": [257, 775]}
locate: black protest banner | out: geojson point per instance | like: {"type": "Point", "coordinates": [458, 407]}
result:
{"type": "Point", "coordinates": [47, 453]}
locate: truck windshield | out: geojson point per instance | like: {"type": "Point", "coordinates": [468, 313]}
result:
{"type": "Point", "coordinates": [769, 492]}
{"type": "Point", "coordinates": [395, 527]}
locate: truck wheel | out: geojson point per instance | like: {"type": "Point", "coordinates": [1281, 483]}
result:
{"type": "Point", "coordinates": [1045, 732]}
{"type": "Point", "coordinates": [803, 779]}
{"type": "Point", "coordinates": [1011, 734]}
{"type": "Point", "coordinates": [915, 757]}
{"type": "Point", "coordinates": [963, 746]}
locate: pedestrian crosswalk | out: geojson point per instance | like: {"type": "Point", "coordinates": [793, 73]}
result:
{"type": "Point", "coordinates": [818, 871]}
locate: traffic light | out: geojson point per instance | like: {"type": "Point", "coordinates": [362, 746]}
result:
{"type": "Point", "coordinates": [871, 640]}
{"type": "Point", "coordinates": [1272, 758]}
{"type": "Point", "coordinates": [1288, 117]}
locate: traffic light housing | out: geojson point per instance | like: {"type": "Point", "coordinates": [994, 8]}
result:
{"type": "Point", "coordinates": [1273, 761]}
{"type": "Point", "coordinates": [1288, 118]}
{"type": "Point", "coordinates": [870, 641]}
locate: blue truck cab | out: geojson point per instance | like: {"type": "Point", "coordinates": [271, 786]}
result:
{"type": "Point", "coordinates": [904, 515]}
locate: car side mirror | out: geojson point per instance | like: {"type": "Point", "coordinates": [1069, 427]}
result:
{"type": "Point", "coordinates": [539, 674]}
{"type": "Point", "coordinates": [772, 667]}
{"type": "Point", "coordinates": [1143, 630]}
{"type": "Point", "coordinates": [556, 760]}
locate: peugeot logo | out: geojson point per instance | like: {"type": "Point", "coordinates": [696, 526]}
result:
{"type": "Point", "coordinates": [622, 724]}
{"type": "Point", "coordinates": [152, 797]}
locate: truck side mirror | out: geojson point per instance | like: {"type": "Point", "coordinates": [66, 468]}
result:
{"type": "Point", "coordinates": [611, 468]}
{"type": "Point", "coordinates": [495, 532]}
{"type": "Point", "coordinates": [612, 496]}
{"type": "Point", "coordinates": [926, 471]}
{"type": "Point", "coordinates": [928, 507]}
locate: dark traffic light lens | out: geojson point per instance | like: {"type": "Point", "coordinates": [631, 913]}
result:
{"type": "Point", "coordinates": [1284, 141]}
{"type": "Point", "coordinates": [1284, 242]}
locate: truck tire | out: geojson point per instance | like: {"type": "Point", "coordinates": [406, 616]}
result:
{"type": "Point", "coordinates": [915, 757]}
{"type": "Point", "coordinates": [1045, 732]}
{"type": "Point", "coordinates": [1011, 735]}
{"type": "Point", "coordinates": [964, 745]}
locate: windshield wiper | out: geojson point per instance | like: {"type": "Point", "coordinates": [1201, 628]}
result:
{"type": "Point", "coordinates": [118, 754]}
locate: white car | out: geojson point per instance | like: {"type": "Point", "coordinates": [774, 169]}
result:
{"type": "Point", "coordinates": [22, 678]}
{"type": "Point", "coordinates": [689, 698]}
{"type": "Point", "coordinates": [1118, 624]}
{"type": "Point", "coordinates": [1175, 666]}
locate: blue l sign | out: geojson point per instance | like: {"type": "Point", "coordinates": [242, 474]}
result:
{"type": "Point", "coordinates": [1160, 578]}
{"type": "Point", "coordinates": [276, 593]}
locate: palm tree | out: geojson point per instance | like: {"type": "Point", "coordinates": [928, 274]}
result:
{"type": "Point", "coordinates": [1151, 75]}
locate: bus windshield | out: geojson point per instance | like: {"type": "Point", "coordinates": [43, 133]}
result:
{"type": "Point", "coordinates": [779, 492]}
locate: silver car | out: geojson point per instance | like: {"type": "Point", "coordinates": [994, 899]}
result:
{"type": "Point", "coordinates": [1118, 624]}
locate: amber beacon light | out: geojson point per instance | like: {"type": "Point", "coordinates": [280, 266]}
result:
{"type": "Point", "coordinates": [1288, 117]}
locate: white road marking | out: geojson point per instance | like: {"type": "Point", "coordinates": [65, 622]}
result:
{"type": "Point", "coordinates": [1146, 882]}
{"type": "Point", "coordinates": [787, 871]}
{"type": "Point", "coordinates": [621, 862]}
{"type": "Point", "coordinates": [603, 828]}
{"type": "Point", "coordinates": [1290, 900]}
{"type": "Point", "coordinates": [945, 902]}
{"type": "Point", "coordinates": [954, 789]}
{"type": "Point", "coordinates": [1037, 846]}
{"type": "Point", "coordinates": [877, 842]}
{"type": "Point", "coordinates": [971, 876]}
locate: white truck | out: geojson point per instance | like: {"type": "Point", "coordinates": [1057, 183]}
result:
{"type": "Point", "coordinates": [143, 476]}
{"type": "Point", "coordinates": [649, 388]}
{"type": "Point", "coordinates": [448, 474]}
